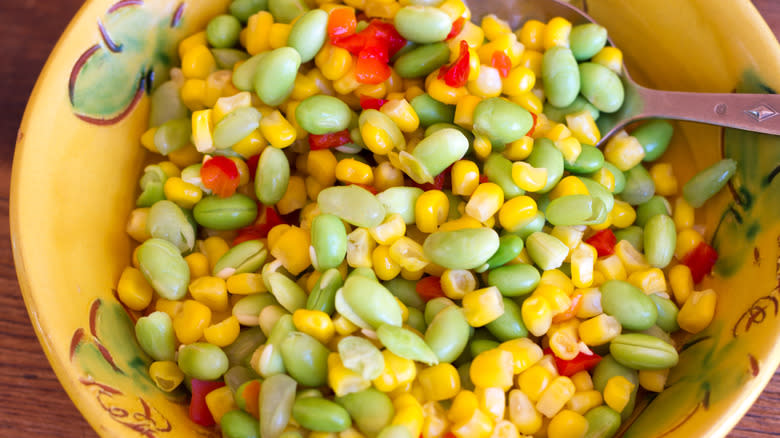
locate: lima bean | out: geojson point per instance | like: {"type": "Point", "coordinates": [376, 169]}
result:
{"type": "Point", "coordinates": [229, 213]}
{"type": "Point", "coordinates": [370, 409]}
{"type": "Point", "coordinates": [164, 268]}
{"type": "Point", "coordinates": [586, 40]}
{"type": "Point", "coordinates": [431, 111]}
{"type": "Point", "coordinates": [654, 136]}
{"type": "Point", "coordinates": [546, 155]}
{"type": "Point", "coordinates": [239, 424]}
{"type": "Point", "coordinates": [285, 11]}
{"type": "Point", "coordinates": [558, 115]}
{"type": "Point", "coordinates": [434, 306]}
{"type": "Point", "coordinates": [247, 256]}
{"type": "Point", "coordinates": [222, 31]}
{"type": "Point", "coordinates": [243, 9]}
{"type": "Point", "coordinates": [646, 210]}
{"type": "Point", "coordinates": [372, 302]}
{"type": "Point", "coordinates": [643, 352]}
{"type": "Point", "coordinates": [227, 58]}
{"type": "Point", "coordinates": [172, 135]}
{"type": "Point", "coordinates": [422, 24]}
{"type": "Point", "coordinates": [323, 114]}
{"type": "Point", "coordinates": [328, 241]}
{"type": "Point", "coordinates": [167, 221]}
{"type": "Point", "coordinates": [639, 187]}
{"type": "Point", "coordinates": [601, 86]}
{"type": "Point", "coordinates": [323, 296]}
{"type": "Point", "coordinates": [501, 121]}
{"type": "Point", "coordinates": [166, 104]}
{"type": "Point", "coordinates": [510, 324]}
{"type": "Point", "coordinates": [155, 335]}
{"type": "Point", "coordinates": [660, 240]}
{"type": "Point", "coordinates": [421, 61]}
{"type": "Point", "coordinates": [204, 361]}
{"type": "Point", "coordinates": [321, 415]}
{"type": "Point", "coordinates": [274, 77]}
{"type": "Point", "coordinates": [514, 280]}
{"type": "Point", "coordinates": [509, 247]}
{"type": "Point", "coordinates": [272, 176]}
{"type": "Point", "coordinates": [498, 169]}
{"type": "Point", "coordinates": [590, 160]}
{"type": "Point", "coordinates": [235, 126]}
{"type": "Point", "coordinates": [547, 251]}
{"type": "Point", "coordinates": [406, 343]}
{"type": "Point", "coordinates": [448, 334]}
{"type": "Point", "coordinates": [628, 304]}
{"type": "Point", "coordinates": [708, 182]}
{"type": "Point", "coordinates": [353, 204]}
{"type": "Point", "coordinates": [400, 200]}
{"type": "Point", "coordinates": [603, 422]}
{"type": "Point", "coordinates": [439, 150]}
{"type": "Point", "coordinates": [461, 249]}
{"type": "Point", "coordinates": [277, 395]}
{"type": "Point", "coordinates": [308, 34]}
{"type": "Point", "coordinates": [361, 356]}
{"type": "Point", "coordinates": [667, 313]}
{"type": "Point", "coordinates": [240, 351]}
{"type": "Point", "coordinates": [561, 76]}
{"type": "Point", "coordinates": [305, 359]}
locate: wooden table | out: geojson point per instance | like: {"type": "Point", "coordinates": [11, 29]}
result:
{"type": "Point", "coordinates": [32, 402]}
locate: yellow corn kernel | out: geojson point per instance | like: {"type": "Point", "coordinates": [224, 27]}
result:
{"type": "Point", "coordinates": [583, 258]}
{"type": "Point", "coordinates": [479, 425]}
{"type": "Point", "coordinates": [653, 380]}
{"type": "Point", "coordinates": [386, 175]}
{"type": "Point", "coordinates": [220, 401]}
{"type": "Point", "coordinates": [218, 84]}
{"type": "Point", "coordinates": [632, 259]}
{"type": "Point", "coordinates": [482, 146]}
{"type": "Point", "coordinates": [623, 214]}
{"type": "Point", "coordinates": [198, 264]}
{"type": "Point", "coordinates": [461, 222]}
{"type": "Point", "coordinates": [133, 289]}
{"type": "Point", "coordinates": [527, 177]}
{"type": "Point", "coordinates": [522, 413]}
{"type": "Point", "coordinates": [182, 193]}
{"type": "Point", "coordinates": [583, 127]}
{"type": "Point", "coordinates": [252, 144]}
{"type": "Point", "coordinates": [683, 215]}
{"type": "Point", "coordinates": [454, 9]}
{"type": "Point", "coordinates": [439, 382]}
{"type": "Point", "coordinates": [687, 240]}
{"type": "Point", "coordinates": [185, 156]}
{"type": "Point", "coordinates": [382, 9]}
{"type": "Point", "coordinates": [611, 267]}
{"type": "Point", "coordinates": [557, 132]}
{"type": "Point", "coordinates": [542, 127]}
{"type": "Point", "coordinates": [571, 236]}
{"type": "Point", "coordinates": [314, 323]}
{"type": "Point", "coordinates": [611, 58]}
{"type": "Point", "coordinates": [198, 62]}
{"type": "Point", "coordinates": [169, 169]}
{"type": "Point", "coordinates": [463, 406]}
{"type": "Point", "coordinates": [532, 35]}
{"type": "Point", "coordinates": [275, 233]}
{"type": "Point", "coordinates": [318, 434]}
{"type": "Point", "coordinates": [570, 148]}
{"type": "Point", "coordinates": [292, 250]}
{"type": "Point", "coordinates": [525, 353]}
{"type": "Point", "coordinates": [202, 128]}
{"type": "Point", "coordinates": [442, 92]}
{"type": "Point", "coordinates": [599, 330]}
{"type": "Point", "coordinates": [191, 320]}
{"type": "Point", "coordinates": [519, 149]}
{"type": "Point", "coordinates": [582, 381]}
{"type": "Point", "coordinates": [485, 201]}
{"type": "Point", "coordinates": [697, 312]}
{"type": "Point", "coordinates": [435, 422]}
{"type": "Point", "coordinates": [211, 291]}
{"type": "Point", "coordinates": [377, 91]}
{"type": "Point", "coordinates": [624, 151]}
{"type": "Point", "coordinates": [294, 197]}
{"type": "Point", "coordinates": [649, 280]}
{"type": "Point", "coordinates": [487, 84]}
{"type": "Point", "coordinates": [278, 34]}
{"type": "Point", "coordinates": [492, 368]}
{"type": "Point", "coordinates": [408, 413]}
{"type": "Point", "coordinates": [464, 111]}
{"type": "Point", "coordinates": [590, 302]}
{"type": "Point", "coordinates": [537, 315]}
{"type": "Point", "coordinates": [492, 401]}
{"type": "Point", "coordinates": [412, 91]}
{"type": "Point", "coordinates": [343, 326]}
{"type": "Point", "coordinates": [351, 432]}
{"type": "Point", "coordinates": [605, 178]}
{"type": "Point", "coordinates": [194, 40]}
{"type": "Point", "coordinates": [147, 139]}
{"type": "Point", "coordinates": [465, 177]}
{"type": "Point", "coordinates": [494, 27]}
{"type": "Point", "coordinates": [555, 396]}
{"type": "Point", "coordinates": [246, 283]}
{"type": "Point", "coordinates": [397, 372]}
{"type": "Point", "coordinates": [664, 179]}
{"type": "Point", "coordinates": [357, 4]}
{"type": "Point", "coordinates": [166, 375]}
{"type": "Point", "coordinates": [506, 43]}
{"type": "Point", "coordinates": [681, 283]}
{"type": "Point", "coordinates": [401, 112]}
{"type": "Point", "coordinates": [617, 393]}
{"type": "Point", "coordinates": [303, 87]}
{"type": "Point", "coordinates": [279, 132]}
{"type": "Point", "coordinates": [529, 101]}
{"type": "Point", "coordinates": [456, 283]}
{"type": "Point", "coordinates": [570, 185]}
{"type": "Point", "coordinates": [517, 212]}
{"type": "Point", "coordinates": [532, 60]}
{"type": "Point", "coordinates": [482, 306]}
{"type": "Point", "coordinates": [567, 424]}
{"type": "Point", "coordinates": [258, 29]}
{"type": "Point", "coordinates": [223, 333]}
{"type": "Point", "coordinates": [556, 33]}
{"type": "Point", "coordinates": [395, 86]}
{"type": "Point", "coordinates": [334, 62]}
{"type": "Point", "coordinates": [321, 165]}
{"type": "Point", "coordinates": [519, 81]}
{"type": "Point", "coordinates": [214, 247]}
{"type": "Point", "coordinates": [430, 210]}
{"type": "Point", "coordinates": [409, 254]}
{"type": "Point", "coordinates": [583, 401]}
{"type": "Point", "coordinates": [343, 380]}
{"type": "Point", "coordinates": [171, 307]}
{"type": "Point", "coordinates": [556, 297]}
{"type": "Point", "coordinates": [351, 171]}
{"type": "Point", "coordinates": [390, 230]}
{"type": "Point", "coordinates": [360, 245]}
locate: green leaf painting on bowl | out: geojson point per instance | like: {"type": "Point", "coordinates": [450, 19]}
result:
{"type": "Point", "coordinates": [137, 46]}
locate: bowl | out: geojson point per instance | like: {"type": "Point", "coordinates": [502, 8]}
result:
{"type": "Point", "coordinates": [78, 159]}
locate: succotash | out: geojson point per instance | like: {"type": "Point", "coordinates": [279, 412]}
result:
{"type": "Point", "coordinates": [382, 219]}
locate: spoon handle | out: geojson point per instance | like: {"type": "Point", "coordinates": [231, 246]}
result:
{"type": "Point", "coordinates": [749, 112]}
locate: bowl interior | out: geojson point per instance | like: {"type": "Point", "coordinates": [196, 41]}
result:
{"type": "Point", "coordinates": [78, 158]}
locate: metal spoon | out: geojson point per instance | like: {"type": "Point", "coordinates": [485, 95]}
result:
{"type": "Point", "coordinates": [750, 112]}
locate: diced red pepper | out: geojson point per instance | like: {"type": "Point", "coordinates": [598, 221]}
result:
{"type": "Point", "coordinates": [457, 27]}
{"type": "Point", "coordinates": [199, 412]}
{"type": "Point", "coordinates": [429, 288]}
{"type": "Point", "coordinates": [700, 260]}
{"type": "Point", "coordinates": [604, 241]}
{"type": "Point", "coordinates": [352, 43]}
{"type": "Point", "coordinates": [576, 303]}
{"type": "Point", "coordinates": [501, 62]}
{"type": "Point", "coordinates": [251, 163]}
{"type": "Point", "coordinates": [483, 179]}
{"type": "Point", "coordinates": [327, 141]}
{"type": "Point", "coordinates": [582, 362]}
{"type": "Point", "coordinates": [380, 52]}
{"type": "Point", "coordinates": [341, 22]}
{"type": "Point", "coordinates": [439, 181]}
{"type": "Point", "coordinates": [367, 102]}
{"type": "Point", "coordinates": [220, 175]}
{"type": "Point", "coordinates": [384, 32]}
{"type": "Point", "coordinates": [259, 230]}
{"type": "Point", "coordinates": [371, 71]}
{"type": "Point", "coordinates": [370, 188]}
{"type": "Point", "coordinates": [374, 45]}
{"type": "Point", "coordinates": [533, 126]}
{"type": "Point", "coordinates": [457, 74]}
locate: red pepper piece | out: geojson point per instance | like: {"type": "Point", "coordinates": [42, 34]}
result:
{"type": "Point", "coordinates": [370, 188]}
{"type": "Point", "coordinates": [371, 71]}
{"type": "Point", "coordinates": [457, 27]}
{"type": "Point", "coordinates": [457, 74]}
{"type": "Point", "coordinates": [367, 102]}
{"type": "Point", "coordinates": [439, 181]}
{"type": "Point", "coordinates": [582, 362]}
{"type": "Point", "coordinates": [259, 230]}
{"type": "Point", "coordinates": [251, 163]}
{"type": "Point", "coordinates": [501, 62]}
{"type": "Point", "coordinates": [384, 32]}
{"type": "Point", "coordinates": [576, 303]}
{"type": "Point", "coordinates": [604, 241]}
{"type": "Point", "coordinates": [330, 140]}
{"type": "Point", "coordinates": [483, 179]}
{"type": "Point", "coordinates": [700, 260]}
{"type": "Point", "coordinates": [199, 412]}
{"type": "Point", "coordinates": [352, 43]}
{"type": "Point", "coordinates": [429, 288]}
{"type": "Point", "coordinates": [533, 126]}
{"type": "Point", "coordinates": [220, 175]}
{"type": "Point", "coordinates": [341, 22]}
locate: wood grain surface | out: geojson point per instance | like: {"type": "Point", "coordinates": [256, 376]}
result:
{"type": "Point", "coordinates": [32, 402]}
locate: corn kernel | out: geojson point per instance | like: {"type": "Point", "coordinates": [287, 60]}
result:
{"type": "Point", "coordinates": [479, 425]}
{"type": "Point", "coordinates": [492, 368]}
{"type": "Point", "coordinates": [567, 424]}
{"type": "Point", "coordinates": [351, 171]}
{"type": "Point", "coordinates": [517, 212]}
{"type": "Point", "coordinates": [279, 132]}
{"type": "Point", "coordinates": [220, 401]}
{"type": "Point", "coordinates": [492, 401]}
{"type": "Point", "coordinates": [599, 330]}
{"type": "Point", "coordinates": [464, 111]}
{"type": "Point", "coordinates": [442, 92]}
{"type": "Point", "coordinates": [583, 401]}
{"type": "Point", "coordinates": [223, 333]}
{"type": "Point", "coordinates": [166, 375]}
{"type": "Point", "coordinates": [397, 372]}
{"type": "Point", "coordinates": [519, 149]}
{"type": "Point", "coordinates": [343, 380]}
{"type": "Point", "coordinates": [664, 179]}
{"type": "Point", "coordinates": [529, 101]}
{"type": "Point", "coordinates": [485, 201]}
{"type": "Point", "coordinates": [556, 33]}
{"type": "Point", "coordinates": [653, 380]}
{"type": "Point", "coordinates": [623, 214]}
{"type": "Point", "coordinates": [487, 84]}
{"type": "Point", "coordinates": [555, 396]}
{"type": "Point", "coordinates": [687, 240]}
{"type": "Point", "coordinates": [582, 381]}
{"type": "Point", "coordinates": [632, 259]}
{"type": "Point", "coordinates": [532, 35]}
{"type": "Point", "coordinates": [590, 303]}
{"type": "Point", "coordinates": [391, 229]}
{"type": "Point", "coordinates": [611, 58]}
{"type": "Point", "coordinates": [292, 250]}
{"type": "Point", "coordinates": [525, 353]}
{"type": "Point", "coordinates": [532, 60]}
{"type": "Point", "coordinates": [360, 245]}
{"type": "Point", "coordinates": [683, 215]}
{"type": "Point", "coordinates": [650, 280]}
{"type": "Point", "coordinates": [527, 177]}
{"type": "Point", "coordinates": [522, 413]}
{"type": "Point", "coordinates": [401, 112]}
{"type": "Point", "coordinates": [198, 63]}
{"type": "Point", "coordinates": [456, 283]}
{"type": "Point", "coordinates": [133, 289]}
{"type": "Point", "coordinates": [624, 151]}
{"type": "Point", "coordinates": [182, 193]}
{"type": "Point", "coordinates": [202, 128]}
{"type": "Point", "coordinates": [463, 406]}
{"type": "Point", "coordinates": [617, 393]}
{"type": "Point", "coordinates": [697, 312]}
{"type": "Point", "coordinates": [465, 177]}
{"type": "Point", "coordinates": [482, 146]}
{"type": "Point", "coordinates": [435, 422]}
{"type": "Point", "coordinates": [482, 306]}
{"type": "Point", "coordinates": [210, 291]}
{"type": "Point", "coordinates": [258, 29]}
{"type": "Point", "coordinates": [537, 315]}
{"type": "Point", "coordinates": [314, 323]}
{"type": "Point", "coordinates": [583, 127]}
{"type": "Point", "coordinates": [430, 210]}
{"type": "Point", "coordinates": [681, 282]}
{"type": "Point", "coordinates": [191, 320]}
{"type": "Point", "coordinates": [439, 382]}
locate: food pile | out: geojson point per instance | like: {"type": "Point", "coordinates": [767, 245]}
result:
{"type": "Point", "coordinates": [382, 219]}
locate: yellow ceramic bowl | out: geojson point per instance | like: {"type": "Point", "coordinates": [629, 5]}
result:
{"type": "Point", "coordinates": [78, 160]}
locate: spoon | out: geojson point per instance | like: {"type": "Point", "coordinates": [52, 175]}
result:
{"type": "Point", "coordinates": [749, 112]}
